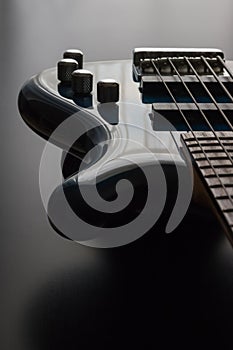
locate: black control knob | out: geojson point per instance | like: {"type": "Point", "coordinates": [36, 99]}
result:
{"type": "Point", "coordinates": [76, 55]}
{"type": "Point", "coordinates": [82, 81]}
{"type": "Point", "coordinates": [65, 69]}
{"type": "Point", "coordinates": [107, 91]}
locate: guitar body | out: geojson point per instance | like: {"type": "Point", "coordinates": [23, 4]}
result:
{"type": "Point", "coordinates": [105, 144]}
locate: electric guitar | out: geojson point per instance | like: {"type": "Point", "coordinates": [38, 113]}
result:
{"type": "Point", "coordinates": [141, 139]}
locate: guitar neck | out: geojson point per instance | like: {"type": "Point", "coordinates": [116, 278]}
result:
{"type": "Point", "coordinates": [211, 153]}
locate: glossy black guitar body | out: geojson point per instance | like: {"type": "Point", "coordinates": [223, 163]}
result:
{"type": "Point", "coordinates": [109, 133]}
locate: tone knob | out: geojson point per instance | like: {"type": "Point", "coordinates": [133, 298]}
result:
{"type": "Point", "coordinates": [107, 91]}
{"type": "Point", "coordinates": [65, 68]}
{"type": "Point", "coordinates": [82, 81]}
{"type": "Point", "coordinates": [76, 55]}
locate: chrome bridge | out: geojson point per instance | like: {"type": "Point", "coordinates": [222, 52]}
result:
{"type": "Point", "coordinates": [145, 60]}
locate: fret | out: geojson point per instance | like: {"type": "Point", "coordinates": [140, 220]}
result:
{"type": "Point", "coordinates": [209, 143]}
{"type": "Point", "coordinates": [219, 192]}
{"type": "Point", "coordinates": [214, 181]}
{"type": "Point", "coordinates": [187, 106]}
{"type": "Point", "coordinates": [225, 205]}
{"type": "Point", "coordinates": [209, 148]}
{"type": "Point", "coordinates": [225, 171]}
{"type": "Point", "coordinates": [211, 155]}
{"type": "Point", "coordinates": [215, 163]}
{"type": "Point", "coordinates": [208, 135]}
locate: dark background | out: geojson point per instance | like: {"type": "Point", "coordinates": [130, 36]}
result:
{"type": "Point", "coordinates": [56, 294]}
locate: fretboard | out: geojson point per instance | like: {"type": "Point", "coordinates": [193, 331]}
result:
{"type": "Point", "coordinates": [212, 155]}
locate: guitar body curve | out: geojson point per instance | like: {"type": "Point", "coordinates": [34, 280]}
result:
{"type": "Point", "coordinates": [108, 143]}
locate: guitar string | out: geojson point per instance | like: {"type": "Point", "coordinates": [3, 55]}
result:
{"type": "Point", "coordinates": [191, 129]}
{"type": "Point", "coordinates": [225, 66]}
{"type": "Point", "coordinates": [230, 125]}
{"type": "Point", "coordinates": [218, 80]}
{"type": "Point", "coordinates": [209, 93]}
{"type": "Point", "coordinates": [205, 118]}
{"type": "Point", "coordinates": [197, 105]}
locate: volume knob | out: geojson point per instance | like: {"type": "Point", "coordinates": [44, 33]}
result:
{"type": "Point", "coordinates": [82, 81]}
{"type": "Point", "coordinates": [76, 55]}
{"type": "Point", "coordinates": [65, 69]}
{"type": "Point", "coordinates": [107, 91]}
